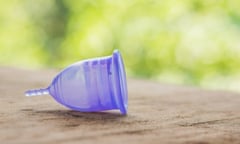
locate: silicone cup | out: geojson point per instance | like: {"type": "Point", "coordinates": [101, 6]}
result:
{"type": "Point", "coordinates": [91, 85]}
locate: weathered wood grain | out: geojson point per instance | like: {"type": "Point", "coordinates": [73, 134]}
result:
{"type": "Point", "coordinates": [158, 113]}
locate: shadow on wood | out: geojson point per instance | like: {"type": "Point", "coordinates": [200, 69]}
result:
{"type": "Point", "coordinates": [75, 118]}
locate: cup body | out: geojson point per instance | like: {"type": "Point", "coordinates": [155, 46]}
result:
{"type": "Point", "coordinates": [93, 85]}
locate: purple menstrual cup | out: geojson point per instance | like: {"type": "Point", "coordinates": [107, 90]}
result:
{"type": "Point", "coordinates": [90, 85]}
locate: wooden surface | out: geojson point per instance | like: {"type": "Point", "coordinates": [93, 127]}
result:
{"type": "Point", "coordinates": [158, 113]}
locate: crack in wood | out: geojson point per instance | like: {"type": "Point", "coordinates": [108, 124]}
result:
{"type": "Point", "coordinates": [109, 134]}
{"type": "Point", "coordinates": [208, 122]}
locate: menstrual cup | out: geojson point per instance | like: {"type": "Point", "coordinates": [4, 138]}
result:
{"type": "Point", "coordinates": [90, 85]}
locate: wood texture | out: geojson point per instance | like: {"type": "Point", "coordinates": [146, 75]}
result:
{"type": "Point", "coordinates": [158, 113]}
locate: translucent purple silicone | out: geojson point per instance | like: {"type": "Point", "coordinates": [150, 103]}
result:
{"type": "Point", "coordinates": [90, 85]}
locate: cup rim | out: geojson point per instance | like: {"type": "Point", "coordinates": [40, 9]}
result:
{"type": "Point", "coordinates": [121, 82]}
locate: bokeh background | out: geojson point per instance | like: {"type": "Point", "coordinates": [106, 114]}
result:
{"type": "Point", "coordinates": [192, 42]}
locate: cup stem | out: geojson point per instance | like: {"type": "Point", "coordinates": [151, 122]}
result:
{"type": "Point", "coordinates": [37, 92]}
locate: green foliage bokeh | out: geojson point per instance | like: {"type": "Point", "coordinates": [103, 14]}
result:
{"type": "Point", "coordinates": [186, 42]}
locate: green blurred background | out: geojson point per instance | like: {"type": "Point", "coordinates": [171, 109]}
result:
{"type": "Point", "coordinates": [193, 42]}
